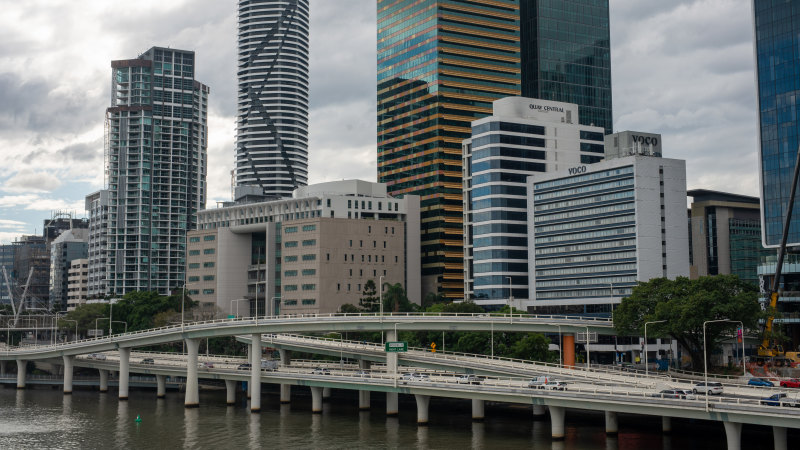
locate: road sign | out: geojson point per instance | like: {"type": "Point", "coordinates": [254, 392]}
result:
{"type": "Point", "coordinates": [231, 316]}
{"type": "Point", "coordinates": [396, 347]}
{"type": "Point", "coordinates": [433, 347]}
{"type": "Point", "coordinates": [94, 332]}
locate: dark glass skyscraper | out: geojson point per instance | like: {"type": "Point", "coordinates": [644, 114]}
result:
{"type": "Point", "coordinates": [440, 66]}
{"type": "Point", "coordinates": [566, 56]}
{"type": "Point", "coordinates": [272, 123]}
{"type": "Point", "coordinates": [777, 26]}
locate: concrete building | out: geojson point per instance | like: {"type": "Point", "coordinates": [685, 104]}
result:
{"type": "Point", "coordinates": [272, 117]}
{"type": "Point", "coordinates": [156, 141]}
{"type": "Point", "coordinates": [97, 212]}
{"type": "Point", "coordinates": [311, 253]}
{"type": "Point", "coordinates": [725, 235]}
{"type": "Point", "coordinates": [523, 137]}
{"type": "Point", "coordinates": [629, 143]}
{"type": "Point", "coordinates": [70, 245]}
{"type": "Point", "coordinates": [78, 283]}
{"type": "Point", "coordinates": [596, 230]}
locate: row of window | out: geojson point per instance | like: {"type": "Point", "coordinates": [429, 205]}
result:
{"type": "Point", "coordinates": [209, 237]}
{"type": "Point", "coordinates": [306, 257]}
{"type": "Point", "coordinates": [305, 301]}
{"type": "Point", "coordinates": [361, 243]}
{"type": "Point", "coordinates": [367, 204]}
{"type": "Point", "coordinates": [205, 278]}
{"type": "Point", "coordinates": [305, 272]}
{"type": "Point", "coordinates": [306, 243]}
{"type": "Point", "coordinates": [367, 259]}
{"type": "Point", "coordinates": [207, 251]}
{"type": "Point", "coordinates": [293, 229]}
{"type": "Point", "coordinates": [305, 287]}
{"type": "Point", "coordinates": [206, 265]}
{"type": "Point", "coordinates": [197, 292]}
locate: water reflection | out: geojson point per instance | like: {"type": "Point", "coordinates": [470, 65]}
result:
{"type": "Point", "coordinates": [392, 432]}
{"type": "Point", "coordinates": [364, 427]}
{"type": "Point", "coordinates": [255, 430]}
{"type": "Point", "coordinates": [123, 422]}
{"type": "Point", "coordinates": [422, 436]}
{"type": "Point", "coordinates": [612, 443]}
{"type": "Point", "coordinates": [67, 405]}
{"type": "Point", "coordinates": [191, 417]}
{"type": "Point", "coordinates": [666, 442]}
{"type": "Point", "coordinates": [478, 433]}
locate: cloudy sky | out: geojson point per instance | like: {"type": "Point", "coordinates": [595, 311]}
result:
{"type": "Point", "coordinates": [682, 68]}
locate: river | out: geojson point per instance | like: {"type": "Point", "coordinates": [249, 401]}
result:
{"type": "Point", "coordinates": [45, 418]}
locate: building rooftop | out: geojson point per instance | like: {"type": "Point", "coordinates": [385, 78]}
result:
{"type": "Point", "coordinates": [707, 195]}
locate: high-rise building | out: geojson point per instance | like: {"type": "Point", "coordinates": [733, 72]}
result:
{"type": "Point", "coordinates": [97, 212]}
{"type": "Point", "coordinates": [77, 283]}
{"type": "Point", "coordinates": [566, 56]}
{"type": "Point", "coordinates": [523, 137]}
{"type": "Point", "coordinates": [70, 245]}
{"type": "Point", "coordinates": [156, 141]}
{"type": "Point", "coordinates": [777, 24]}
{"type": "Point", "coordinates": [441, 64]}
{"type": "Point", "coordinates": [272, 123]}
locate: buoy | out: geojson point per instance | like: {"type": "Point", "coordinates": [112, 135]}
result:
{"type": "Point", "coordinates": [138, 418]}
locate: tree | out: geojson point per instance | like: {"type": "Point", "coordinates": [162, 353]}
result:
{"type": "Point", "coordinates": [395, 300]}
{"type": "Point", "coordinates": [369, 296]}
{"type": "Point", "coordinates": [685, 304]}
{"type": "Point", "coordinates": [85, 315]}
{"type": "Point", "coordinates": [349, 308]}
{"type": "Point", "coordinates": [533, 347]}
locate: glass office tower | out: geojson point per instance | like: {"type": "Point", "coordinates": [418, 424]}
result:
{"type": "Point", "coordinates": [777, 25]}
{"type": "Point", "coordinates": [566, 56]}
{"type": "Point", "coordinates": [441, 64]}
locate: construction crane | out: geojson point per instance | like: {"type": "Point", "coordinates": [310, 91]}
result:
{"type": "Point", "coordinates": [17, 310]}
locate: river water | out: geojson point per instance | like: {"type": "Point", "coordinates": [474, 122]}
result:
{"type": "Point", "coordinates": [44, 418]}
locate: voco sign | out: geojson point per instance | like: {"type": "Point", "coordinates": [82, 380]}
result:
{"type": "Point", "coordinates": [645, 140]}
{"type": "Point", "coordinates": [577, 170]}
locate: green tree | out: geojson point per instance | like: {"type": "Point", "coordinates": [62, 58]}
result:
{"type": "Point", "coordinates": [684, 305]}
{"type": "Point", "coordinates": [369, 297]}
{"type": "Point", "coordinates": [534, 347]}
{"type": "Point", "coordinates": [85, 315]}
{"type": "Point", "coordinates": [349, 308]}
{"type": "Point", "coordinates": [395, 300]}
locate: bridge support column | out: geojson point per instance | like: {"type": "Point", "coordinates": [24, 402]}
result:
{"type": "Point", "coordinates": [230, 387]}
{"type": "Point", "coordinates": [161, 386]}
{"type": "Point", "coordinates": [557, 422]}
{"type": "Point", "coordinates": [477, 409]}
{"type": "Point", "coordinates": [316, 400]}
{"type": "Point", "coordinates": [423, 401]}
{"type": "Point", "coordinates": [326, 394]}
{"type": "Point", "coordinates": [666, 425]}
{"type": "Point", "coordinates": [192, 399]}
{"type": "Point", "coordinates": [779, 437]}
{"type": "Point", "coordinates": [363, 400]}
{"type": "Point", "coordinates": [103, 381]}
{"type": "Point", "coordinates": [2, 367]}
{"type": "Point", "coordinates": [568, 350]}
{"type": "Point", "coordinates": [255, 373]}
{"type": "Point", "coordinates": [286, 357]}
{"type": "Point", "coordinates": [391, 358]}
{"type": "Point", "coordinates": [286, 393]}
{"type": "Point", "coordinates": [363, 364]}
{"type": "Point", "coordinates": [539, 411]}
{"type": "Point", "coordinates": [68, 374]}
{"type": "Point", "coordinates": [391, 404]}
{"type": "Point", "coordinates": [612, 425]}
{"type": "Point", "coordinates": [22, 368]}
{"type": "Point", "coordinates": [733, 430]}
{"type": "Point", "coordinates": [124, 372]}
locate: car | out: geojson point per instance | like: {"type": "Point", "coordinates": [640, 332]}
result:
{"type": "Point", "coordinates": [537, 381]}
{"type": "Point", "coordinates": [363, 374]}
{"type": "Point", "coordinates": [470, 379]}
{"type": "Point", "coordinates": [413, 376]}
{"type": "Point", "coordinates": [760, 382]}
{"type": "Point", "coordinates": [244, 366]}
{"type": "Point", "coordinates": [710, 388]}
{"type": "Point", "coordinates": [676, 394]}
{"type": "Point", "coordinates": [780, 399]}
{"type": "Point", "coordinates": [97, 356]}
{"type": "Point", "coordinates": [555, 385]}
{"type": "Point", "coordinates": [147, 361]}
{"type": "Point", "coordinates": [321, 371]}
{"type": "Point", "coordinates": [207, 365]}
{"type": "Point", "coordinates": [791, 383]}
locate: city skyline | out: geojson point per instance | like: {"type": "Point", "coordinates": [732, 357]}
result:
{"type": "Point", "coordinates": [684, 70]}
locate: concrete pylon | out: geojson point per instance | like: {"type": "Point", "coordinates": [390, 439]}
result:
{"type": "Point", "coordinates": [192, 399]}
{"type": "Point", "coordinates": [68, 360]}
{"type": "Point", "coordinates": [124, 372]}
{"type": "Point", "coordinates": [363, 400]}
{"type": "Point", "coordinates": [779, 437]}
{"type": "Point", "coordinates": [316, 400]}
{"type": "Point", "coordinates": [557, 422]}
{"type": "Point", "coordinates": [326, 394]}
{"type": "Point", "coordinates": [612, 425]}
{"type": "Point", "coordinates": [568, 350]}
{"type": "Point", "coordinates": [230, 388]}
{"type": "Point", "coordinates": [255, 373]}
{"type": "Point", "coordinates": [161, 386]}
{"type": "Point", "coordinates": [22, 368]}
{"type": "Point", "coordinates": [391, 404]}
{"type": "Point", "coordinates": [391, 358]}
{"type": "Point", "coordinates": [103, 381]}
{"type": "Point", "coordinates": [733, 432]}
{"type": "Point", "coordinates": [477, 409]}
{"type": "Point", "coordinates": [666, 425]}
{"type": "Point", "coordinates": [2, 367]}
{"type": "Point", "coordinates": [423, 402]}
{"type": "Point", "coordinates": [539, 412]}
{"type": "Point", "coordinates": [286, 393]}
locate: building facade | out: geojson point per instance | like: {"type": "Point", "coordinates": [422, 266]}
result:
{"type": "Point", "coordinates": [725, 235]}
{"type": "Point", "coordinates": [311, 253]}
{"type": "Point", "coordinates": [97, 211]}
{"type": "Point", "coordinates": [156, 141]}
{"type": "Point", "coordinates": [566, 56]}
{"type": "Point", "coordinates": [67, 247]}
{"type": "Point", "coordinates": [777, 51]}
{"type": "Point", "coordinates": [272, 122]}
{"type": "Point", "coordinates": [523, 137]}
{"type": "Point", "coordinates": [597, 230]}
{"type": "Point", "coordinates": [77, 283]}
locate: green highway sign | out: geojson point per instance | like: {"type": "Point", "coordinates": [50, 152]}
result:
{"type": "Point", "coordinates": [396, 347]}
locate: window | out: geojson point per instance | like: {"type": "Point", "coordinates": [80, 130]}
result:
{"type": "Point", "coordinates": [290, 302]}
{"type": "Point", "coordinates": [310, 257]}
{"type": "Point", "coordinates": [360, 243]}
{"type": "Point", "coordinates": [209, 237]}
{"type": "Point", "coordinates": [290, 287]}
{"type": "Point", "coordinates": [208, 291]}
{"type": "Point", "coordinates": [292, 258]}
{"type": "Point", "coordinates": [361, 272]}
{"type": "Point", "coordinates": [338, 286]}
{"type": "Point", "coordinates": [351, 242]}
{"type": "Point", "coordinates": [375, 244]}
{"type": "Point", "coordinates": [345, 256]}
{"type": "Point", "coordinates": [327, 257]}
{"type": "Point", "coordinates": [351, 272]}
{"type": "Point", "coordinates": [209, 251]}
{"type": "Point", "coordinates": [194, 265]}
{"type": "Point", "coordinates": [194, 292]}
{"type": "Point", "coordinates": [307, 272]}
{"type": "Point", "coordinates": [309, 301]}
{"type": "Point", "coordinates": [369, 229]}
{"type": "Point", "coordinates": [348, 287]}
{"type": "Point", "coordinates": [290, 244]}
{"type": "Point", "coordinates": [208, 277]}
{"type": "Point", "coordinates": [194, 252]}
{"type": "Point", "coordinates": [290, 273]}
{"type": "Point", "coordinates": [194, 239]}
{"type": "Point", "coordinates": [191, 279]}
{"type": "Point", "coordinates": [310, 287]}
{"type": "Point", "coordinates": [208, 264]}
{"type": "Point", "coordinates": [395, 258]}
{"type": "Point", "coordinates": [392, 230]}
{"type": "Point", "coordinates": [290, 230]}
{"type": "Point", "coordinates": [309, 227]}
{"type": "Point", "coordinates": [309, 242]}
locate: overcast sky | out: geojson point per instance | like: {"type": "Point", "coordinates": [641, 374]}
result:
{"type": "Point", "coordinates": [682, 68]}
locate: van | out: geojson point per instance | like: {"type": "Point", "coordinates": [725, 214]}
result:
{"type": "Point", "coordinates": [537, 381]}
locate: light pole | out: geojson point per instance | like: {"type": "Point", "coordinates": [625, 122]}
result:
{"type": "Point", "coordinates": [341, 349]}
{"type": "Point", "coordinates": [110, 316]}
{"type": "Point", "coordinates": [588, 355]}
{"type": "Point", "coordinates": [96, 329]}
{"type": "Point", "coordinates": [510, 297]}
{"type": "Point", "coordinates": [705, 351]}
{"type": "Point", "coordinates": [380, 296]}
{"type": "Point", "coordinates": [646, 369]}
{"type": "Point", "coordinates": [272, 304]}
{"type": "Point", "coordinates": [237, 305]}
{"type": "Point", "coordinates": [121, 321]}
{"type": "Point", "coordinates": [70, 320]}
{"type": "Point", "coordinates": [560, 345]}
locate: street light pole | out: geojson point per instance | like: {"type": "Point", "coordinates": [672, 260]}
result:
{"type": "Point", "coordinates": [272, 303]}
{"type": "Point", "coordinates": [588, 355]}
{"type": "Point", "coordinates": [510, 297]}
{"type": "Point", "coordinates": [646, 369]}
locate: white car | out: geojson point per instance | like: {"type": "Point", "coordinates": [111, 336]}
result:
{"type": "Point", "coordinates": [712, 388]}
{"type": "Point", "coordinates": [555, 385]}
{"type": "Point", "coordinates": [537, 382]}
{"type": "Point", "coordinates": [470, 379]}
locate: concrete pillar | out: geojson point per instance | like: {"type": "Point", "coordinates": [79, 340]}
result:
{"type": "Point", "coordinates": [363, 364]}
{"type": "Point", "coordinates": [68, 374]}
{"type": "Point", "coordinates": [423, 401]}
{"type": "Point", "coordinates": [477, 409]}
{"type": "Point", "coordinates": [286, 357]}
{"type": "Point", "coordinates": [2, 367]}
{"type": "Point", "coordinates": [391, 358]}
{"type": "Point", "coordinates": [326, 394]}
{"type": "Point", "coordinates": [161, 386]}
{"type": "Point", "coordinates": [192, 399]}
{"type": "Point", "coordinates": [103, 381]}
{"type": "Point", "coordinates": [22, 367]}
{"type": "Point", "coordinates": [568, 350]}
{"type": "Point", "coordinates": [316, 400]}
{"type": "Point", "coordinates": [733, 431]}
{"type": "Point", "coordinates": [557, 422]}
{"type": "Point", "coordinates": [539, 412]}
{"type": "Point", "coordinates": [391, 404]}
{"type": "Point", "coordinates": [666, 425]}
{"type": "Point", "coordinates": [363, 400]}
{"type": "Point", "coordinates": [286, 393]}
{"type": "Point", "coordinates": [230, 387]}
{"type": "Point", "coordinates": [612, 425]}
{"type": "Point", "coordinates": [779, 437]}
{"type": "Point", "coordinates": [255, 373]}
{"type": "Point", "coordinates": [124, 372]}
